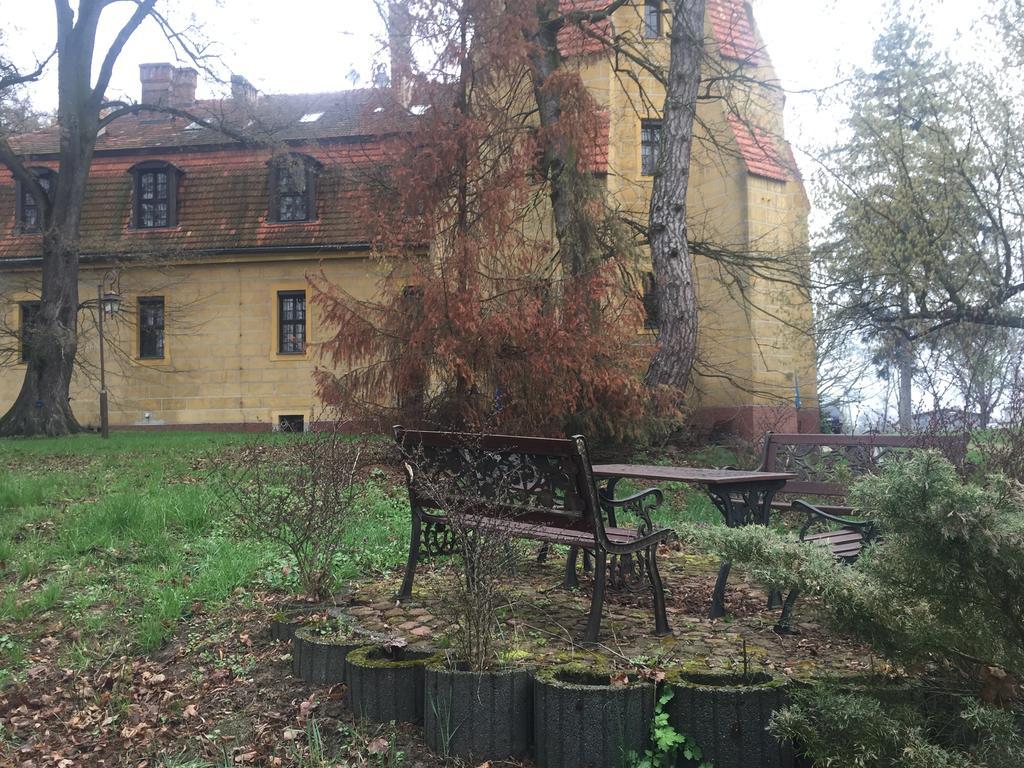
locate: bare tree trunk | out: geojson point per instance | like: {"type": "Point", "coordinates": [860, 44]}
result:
{"type": "Point", "coordinates": [570, 188]}
{"type": "Point", "coordinates": [43, 404]}
{"type": "Point", "coordinates": [670, 254]}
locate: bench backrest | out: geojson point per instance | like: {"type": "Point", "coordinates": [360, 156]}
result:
{"type": "Point", "coordinates": [501, 475]}
{"type": "Point", "coordinates": [826, 464]}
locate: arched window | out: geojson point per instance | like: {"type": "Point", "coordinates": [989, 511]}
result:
{"type": "Point", "coordinates": [154, 195]}
{"type": "Point", "coordinates": [292, 182]}
{"type": "Point", "coordinates": [30, 210]}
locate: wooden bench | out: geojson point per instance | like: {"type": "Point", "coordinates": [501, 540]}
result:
{"type": "Point", "coordinates": [528, 488]}
{"type": "Point", "coordinates": [825, 465]}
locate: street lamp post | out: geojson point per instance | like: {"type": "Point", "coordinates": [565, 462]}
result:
{"type": "Point", "coordinates": [108, 304]}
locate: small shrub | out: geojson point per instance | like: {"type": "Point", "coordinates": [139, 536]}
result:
{"type": "Point", "coordinates": [301, 494]}
{"type": "Point", "coordinates": [941, 594]}
{"type": "Point", "coordinates": [460, 482]}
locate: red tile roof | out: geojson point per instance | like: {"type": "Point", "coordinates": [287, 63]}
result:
{"type": "Point", "coordinates": [270, 119]}
{"type": "Point", "coordinates": [222, 204]}
{"type": "Point", "coordinates": [583, 39]}
{"type": "Point", "coordinates": [733, 28]}
{"type": "Point", "coordinates": [763, 154]}
{"type": "Point", "coordinates": [223, 194]}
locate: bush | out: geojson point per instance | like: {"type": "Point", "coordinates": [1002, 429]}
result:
{"type": "Point", "coordinates": [941, 594]}
{"type": "Point", "coordinates": [301, 493]}
{"type": "Point", "coordinates": [836, 728]}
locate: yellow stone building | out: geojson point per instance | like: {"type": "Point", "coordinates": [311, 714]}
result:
{"type": "Point", "coordinates": [209, 243]}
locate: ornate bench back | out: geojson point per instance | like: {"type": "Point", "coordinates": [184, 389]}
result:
{"type": "Point", "coordinates": [499, 475]}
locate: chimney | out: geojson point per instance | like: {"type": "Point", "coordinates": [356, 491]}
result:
{"type": "Point", "coordinates": [183, 87]}
{"type": "Point", "coordinates": [165, 84]}
{"type": "Point", "coordinates": [156, 82]}
{"type": "Point", "coordinates": [400, 47]}
{"type": "Point", "coordinates": [242, 90]}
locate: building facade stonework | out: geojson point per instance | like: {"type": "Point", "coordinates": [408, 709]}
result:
{"type": "Point", "coordinates": [210, 241]}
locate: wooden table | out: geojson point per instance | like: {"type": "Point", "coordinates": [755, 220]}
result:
{"type": "Point", "coordinates": [743, 497]}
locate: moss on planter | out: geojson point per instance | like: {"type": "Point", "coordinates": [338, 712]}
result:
{"type": "Point", "coordinates": [387, 683]}
{"type": "Point", "coordinates": [478, 715]}
{"type": "Point", "coordinates": [583, 720]}
{"type": "Point", "coordinates": [576, 674]}
{"type": "Point", "coordinates": [386, 657]}
{"type": "Point", "coordinates": [724, 680]}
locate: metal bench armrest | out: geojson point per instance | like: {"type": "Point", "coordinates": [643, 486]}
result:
{"type": "Point", "coordinates": [816, 515]}
{"type": "Point", "coordinates": [639, 504]}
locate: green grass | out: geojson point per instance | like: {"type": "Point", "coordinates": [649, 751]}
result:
{"type": "Point", "coordinates": [120, 538]}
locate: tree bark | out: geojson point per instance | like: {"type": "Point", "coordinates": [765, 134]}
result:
{"type": "Point", "coordinates": [670, 253]}
{"type": "Point", "coordinates": [43, 405]}
{"type": "Point", "coordinates": [569, 187]}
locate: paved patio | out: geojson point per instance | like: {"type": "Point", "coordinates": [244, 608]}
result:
{"type": "Point", "coordinates": [545, 622]}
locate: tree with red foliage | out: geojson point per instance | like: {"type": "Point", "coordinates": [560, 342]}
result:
{"type": "Point", "coordinates": [485, 317]}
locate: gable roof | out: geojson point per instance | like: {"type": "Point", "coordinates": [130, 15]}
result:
{"type": "Point", "coordinates": [584, 39]}
{"type": "Point", "coordinates": [763, 154]}
{"type": "Point", "coordinates": [733, 29]}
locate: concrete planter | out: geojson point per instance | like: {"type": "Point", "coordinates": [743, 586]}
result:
{"type": "Point", "coordinates": [283, 629]}
{"type": "Point", "coordinates": [727, 716]}
{"type": "Point", "coordinates": [320, 659]}
{"type": "Point", "coordinates": [479, 716]}
{"type": "Point", "coordinates": [386, 684]}
{"type": "Point", "coordinates": [582, 720]}
{"type": "Point", "coordinates": [287, 620]}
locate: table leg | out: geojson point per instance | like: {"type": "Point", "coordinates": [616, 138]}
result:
{"type": "Point", "coordinates": [755, 509]}
{"type": "Point", "coordinates": [718, 597]}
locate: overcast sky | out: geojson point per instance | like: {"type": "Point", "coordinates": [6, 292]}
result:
{"type": "Point", "coordinates": [314, 45]}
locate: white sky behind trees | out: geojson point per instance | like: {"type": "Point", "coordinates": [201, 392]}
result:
{"type": "Point", "coordinates": [297, 46]}
{"type": "Point", "coordinates": [303, 46]}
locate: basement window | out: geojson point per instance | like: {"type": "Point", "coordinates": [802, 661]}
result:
{"type": "Point", "coordinates": [291, 423]}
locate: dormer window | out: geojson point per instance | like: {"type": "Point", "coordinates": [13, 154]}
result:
{"type": "Point", "coordinates": [155, 195]}
{"type": "Point", "coordinates": [30, 210]}
{"type": "Point", "coordinates": [293, 188]}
